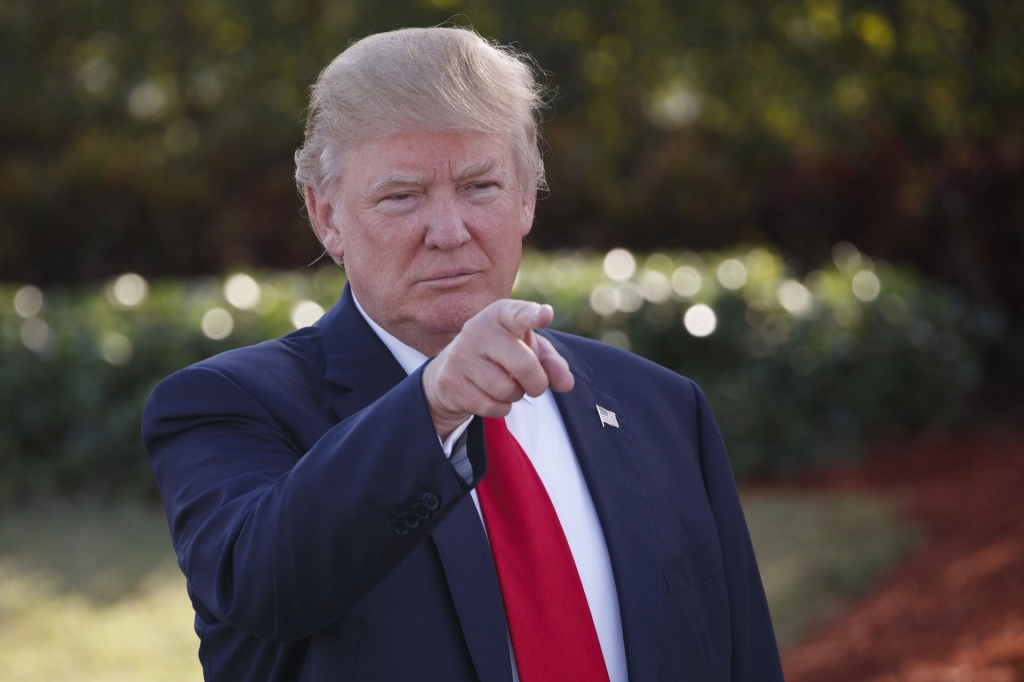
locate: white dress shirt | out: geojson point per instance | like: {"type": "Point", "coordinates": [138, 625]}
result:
{"type": "Point", "coordinates": [537, 424]}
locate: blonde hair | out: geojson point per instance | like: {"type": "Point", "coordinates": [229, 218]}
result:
{"type": "Point", "coordinates": [434, 79]}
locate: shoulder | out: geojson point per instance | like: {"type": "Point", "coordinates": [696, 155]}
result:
{"type": "Point", "coordinates": [253, 380]}
{"type": "Point", "coordinates": [273, 363]}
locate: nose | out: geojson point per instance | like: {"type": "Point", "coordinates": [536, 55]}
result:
{"type": "Point", "coordinates": [446, 229]}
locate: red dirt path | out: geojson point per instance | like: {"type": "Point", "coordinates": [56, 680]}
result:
{"type": "Point", "coordinates": [954, 610]}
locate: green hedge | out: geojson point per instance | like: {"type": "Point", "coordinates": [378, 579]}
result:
{"type": "Point", "coordinates": [790, 383]}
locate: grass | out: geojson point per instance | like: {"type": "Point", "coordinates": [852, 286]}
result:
{"type": "Point", "coordinates": [818, 551]}
{"type": "Point", "coordinates": [90, 591]}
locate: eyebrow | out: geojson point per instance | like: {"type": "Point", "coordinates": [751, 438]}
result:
{"type": "Point", "coordinates": [400, 181]}
{"type": "Point", "coordinates": [480, 168]}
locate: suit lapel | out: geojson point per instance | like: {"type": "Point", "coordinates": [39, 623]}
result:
{"type": "Point", "coordinates": [469, 567]}
{"type": "Point", "coordinates": [358, 360]}
{"type": "Point", "coordinates": [614, 477]}
{"type": "Point", "coordinates": [356, 357]}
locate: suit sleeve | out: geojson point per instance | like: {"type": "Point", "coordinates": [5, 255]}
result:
{"type": "Point", "coordinates": [755, 654]}
{"type": "Point", "coordinates": [279, 542]}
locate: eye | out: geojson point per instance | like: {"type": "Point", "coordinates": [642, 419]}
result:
{"type": "Point", "coordinates": [481, 188]}
{"type": "Point", "coordinates": [402, 196]}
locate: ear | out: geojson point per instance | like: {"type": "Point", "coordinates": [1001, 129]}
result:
{"type": "Point", "coordinates": [323, 217]}
{"type": "Point", "coordinates": [526, 209]}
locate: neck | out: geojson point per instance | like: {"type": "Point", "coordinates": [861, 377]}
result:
{"type": "Point", "coordinates": [425, 342]}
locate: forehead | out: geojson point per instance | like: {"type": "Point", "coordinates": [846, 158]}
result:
{"type": "Point", "coordinates": [427, 156]}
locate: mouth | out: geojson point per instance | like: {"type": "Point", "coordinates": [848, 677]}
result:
{"type": "Point", "coordinates": [449, 278]}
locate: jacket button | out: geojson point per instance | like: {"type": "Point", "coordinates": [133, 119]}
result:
{"type": "Point", "coordinates": [400, 527]}
{"type": "Point", "coordinates": [410, 519]}
{"type": "Point", "coordinates": [421, 512]}
{"type": "Point", "coordinates": [431, 501]}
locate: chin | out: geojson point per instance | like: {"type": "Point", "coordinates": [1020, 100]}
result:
{"type": "Point", "coordinates": [448, 312]}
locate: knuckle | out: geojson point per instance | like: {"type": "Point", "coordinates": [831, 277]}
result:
{"type": "Point", "coordinates": [524, 364]}
{"type": "Point", "coordinates": [510, 391]}
{"type": "Point", "coordinates": [497, 408]}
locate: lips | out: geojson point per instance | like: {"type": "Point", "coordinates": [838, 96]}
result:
{"type": "Point", "coordinates": [451, 276]}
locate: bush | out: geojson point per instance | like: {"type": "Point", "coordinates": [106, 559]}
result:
{"type": "Point", "coordinates": [796, 369]}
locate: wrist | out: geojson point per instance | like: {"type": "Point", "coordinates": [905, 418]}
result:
{"type": "Point", "coordinates": [445, 420]}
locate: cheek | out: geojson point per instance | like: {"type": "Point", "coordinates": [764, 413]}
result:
{"type": "Point", "coordinates": [386, 251]}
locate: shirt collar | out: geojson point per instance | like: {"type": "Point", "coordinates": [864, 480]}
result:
{"type": "Point", "coordinates": [408, 357]}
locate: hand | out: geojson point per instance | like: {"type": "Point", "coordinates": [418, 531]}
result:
{"type": "Point", "coordinates": [492, 363]}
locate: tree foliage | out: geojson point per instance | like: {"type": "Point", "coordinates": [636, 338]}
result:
{"type": "Point", "coordinates": [157, 135]}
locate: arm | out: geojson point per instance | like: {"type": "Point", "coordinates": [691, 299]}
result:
{"type": "Point", "coordinates": [755, 655]}
{"type": "Point", "coordinates": [276, 541]}
{"type": "Point", "coordinates": [279, 542]}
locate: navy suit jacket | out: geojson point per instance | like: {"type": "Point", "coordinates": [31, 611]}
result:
{"type": "Point", "coordinates": [284, 467]}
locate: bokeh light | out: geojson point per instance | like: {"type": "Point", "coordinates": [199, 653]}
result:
{"type": "Point", "coordinates": [795, 298]}
{"type": "Point", "coordinates": [602, 300]}
{"type": "Point", "coordinates": [217, 324]}
{"type": "Point", "coordinates": [616, 337]}
{"type": "Point", "coordinates": [732, 274]}
{"type": "Point", "coordinates": [686, 281]}
{"type": "Point", "coordinates": [306, 313]}
{"type": "Point", "coordinates": [655, 286]}
{"type": "Point", "coordinates": [129, 290]}
{"type": "Point", "coordinates": [619, 265]}
{"type": "Point", "coordinates": [866, 285]}
{"type": "Point", "coordinates": [35, 334]}
{"type": "Point", "coordinates": [242, 291]}
{"type": "Point", "coordinates": [848, 313]}
{"type": "Point", "coordinates": [116, 348]}
{"type": "Point", "coordinates": [28, 301]}
{"type": "Point", "coordinates": [628, 297]}
{"type": "Point", "coordinates": [846, 257]}
{"type": "Point", "coordinates": [700, 320]}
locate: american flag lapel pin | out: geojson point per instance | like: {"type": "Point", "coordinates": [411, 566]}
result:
{"type": "Point", "coordinates": [607, 417]}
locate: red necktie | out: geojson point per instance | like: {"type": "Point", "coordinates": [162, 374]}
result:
{"type": "Point", "coordinates": [549, 620]}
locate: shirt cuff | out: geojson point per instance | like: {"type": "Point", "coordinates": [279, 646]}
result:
{"type": "Point", "coordinates": [448, 443]}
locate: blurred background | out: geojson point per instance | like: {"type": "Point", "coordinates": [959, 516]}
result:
{"type": "Point", "coordinates": [814, 208]}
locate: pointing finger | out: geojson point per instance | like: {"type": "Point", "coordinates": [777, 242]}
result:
{"type": "Point", "coordinates": [519, 317]}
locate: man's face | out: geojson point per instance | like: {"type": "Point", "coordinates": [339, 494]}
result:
{"type": "Point", "coordinates": [430, 226]}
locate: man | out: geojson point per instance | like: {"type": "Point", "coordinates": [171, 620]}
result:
{"type": "Point", "coordinates": [524, 505]}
